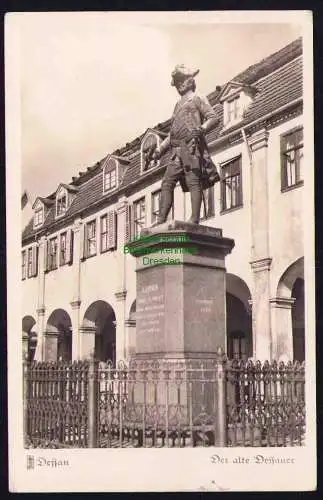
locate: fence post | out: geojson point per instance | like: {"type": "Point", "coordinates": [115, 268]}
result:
{"type": "Point", "coordinates": [25, 399]}
{"type": "Point", "coordinates": [92, 402]}
{"type": "Point", "coordinates": [221, 414]}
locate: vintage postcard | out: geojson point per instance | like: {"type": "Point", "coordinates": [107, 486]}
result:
{"type": "Point", "coordinates": [160, 228]}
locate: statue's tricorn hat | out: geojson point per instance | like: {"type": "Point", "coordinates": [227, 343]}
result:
{"type": "Point", "coordinates": [181, 73]}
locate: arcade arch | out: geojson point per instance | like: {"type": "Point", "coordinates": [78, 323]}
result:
{"type": "Point", "coordinates": [58, 336]}
{"type": "Point", "coordinates": [100, 321]}
{"type": "Point", "coordinates": [291, 287]}
{"type": "Point", "coordinates": [239, 321]}
{"type": "Point", "coordinates": [29, 337]}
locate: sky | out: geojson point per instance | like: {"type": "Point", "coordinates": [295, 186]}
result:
{"type": "Point", "coordinates": [90, 82]}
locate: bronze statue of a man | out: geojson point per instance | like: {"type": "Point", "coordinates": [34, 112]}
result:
{"type": "Point", "coordinates": [193, 116]}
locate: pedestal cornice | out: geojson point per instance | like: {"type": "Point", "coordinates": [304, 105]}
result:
{"type": "Point", "coordinates": [184, 235]}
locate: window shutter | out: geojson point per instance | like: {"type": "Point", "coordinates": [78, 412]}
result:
{"type": "Point", "coordinates": [283, 176]}
{"type": "Point", "coordinates": [69, 246]}
{"type": "Point", "coordinates": [56, 247]}
{"type": "Point", "coordinates": [83, 241]}
{"type": "Point", "coordinates": [111, 228]}
{"type": "Point", "coordinates": [129, 232]}
{"type": "Point", "coordinates": [34, 261]}
{"type": "Point", "coordinates": [46, 255]}
{"type": "Point", "coordinates": [61, 262]}
{"type": "Point", "coordinates": [222, 190]}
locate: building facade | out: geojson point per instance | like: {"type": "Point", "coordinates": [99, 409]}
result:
{"type": "Point", "coordinates": [79, 287]}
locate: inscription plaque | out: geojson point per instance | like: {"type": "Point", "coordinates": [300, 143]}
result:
{"type": "Point", "coordinates": [150, 312]}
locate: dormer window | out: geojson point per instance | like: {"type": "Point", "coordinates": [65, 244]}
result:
{"type": "Point", "coordinates": [235, 97]}
{"type": "Point", "coordinates": [61, 203]}
{"type": "Point", "coordinates": [39, 217]}
{"type": "Point", "coordinates": [110, 179]}
{"type": "Point", "coordinates": [65, 194]}
{"type": "Point", "coordinates": [110, 174]}
{"type": "Point", "coordinates": [149, 144]}
{"type": "Point", "coordinates": [41, 207]}
{"type": "Point", "coordinates": [233, 108]}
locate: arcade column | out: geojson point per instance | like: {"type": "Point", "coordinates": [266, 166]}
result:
{"type": "Point", "coordinates": [260, 252]}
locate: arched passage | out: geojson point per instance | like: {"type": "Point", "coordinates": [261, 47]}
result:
{"type": "Point", "coordinates": [29, 337]}
{"type": "Point", "coordinates": [100, 321]}
{"type": "Point", "coordinates": [239, 322]}
{"type": "Point", "coordinates": [59, 336]}
{"type": "Point", "coordinates": [291, 287]}
{"type": "Point", "coordinates": [298, 322]}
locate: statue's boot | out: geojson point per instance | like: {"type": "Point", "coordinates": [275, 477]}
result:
{"type": "Point", "coordinates": [166, 201]}
{"type": "Point", "coordinates": [196, 200]}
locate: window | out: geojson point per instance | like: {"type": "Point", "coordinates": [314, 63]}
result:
{"type": "Point", "coordinates": [233, 109]}
{"type": "Point", "coordinates": [110, 179]}
{"type": "Point", "coordinates": [91, 238]}
{"type": "Point", "coordinates": [30, 262]}
{"type": "Point", "coordinates": [52, 254]}
{"type": "Point", "coordinates": [61, 204]}
{"type": "Point", "coordinates": [155, 202]}
{"type": "Point", "coordinates": [104, 234]}
{"type": "Point", "coordinates": [39, 217]}
{"type": "Point", "coordinates": [23, 265]}
{"type": "Point", "coordinates": [237, 346]}
{"type": "Point", "coordinates": [231, 185]}
{"type": "Point", "coordinates": [139, 216]}
{"type": "Point", "coordinates": [110, 173]}
{"type": "Point", "coordinates": [148, 147]}
{"type": "Point", "coordinates": [292, 159]}
{"type": "Point", "coordinates": [63, 249]}
{"type": "Point", "coordinates": [108, 231]}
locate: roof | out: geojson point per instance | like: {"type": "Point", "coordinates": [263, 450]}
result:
{"type": "Point", "coordinates": [69, 187]}
{"type": "Point", "coordinates": [46, 201]}
{"type": "Point", "coordinates": [278, 80]}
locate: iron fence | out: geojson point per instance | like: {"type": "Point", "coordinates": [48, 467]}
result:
{"type": "Point", "coordinates": [217, 402]}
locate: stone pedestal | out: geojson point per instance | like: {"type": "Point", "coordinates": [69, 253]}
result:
{"type": "Point", "coordinates": [180, 314]}
{"type": "Point", "coordinates": [180, 291]}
